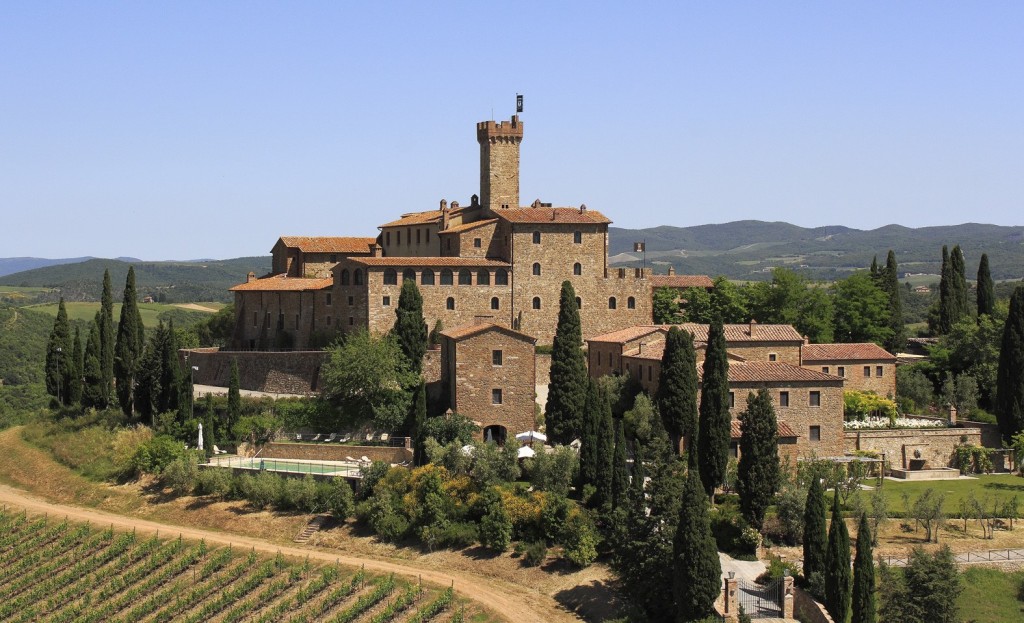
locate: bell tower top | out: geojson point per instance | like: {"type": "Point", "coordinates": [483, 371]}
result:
{"type": "Point", "coordinates": [499, 162]}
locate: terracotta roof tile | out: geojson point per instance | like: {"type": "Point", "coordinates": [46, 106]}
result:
{"type": "Point", "coordinates": [551, 215]}
{"type": "Point", "coordinates": [742, 332]}
{"type": "Point", "coordinates": [681, 281]}
{"type": "Point", "coordinates": [626, 335]}
{"type": "Point", "coordinates": [415, 218]}
{"type": "Point", "coordinates": [467, 330]}
{"type": "Point", "coordinates": [282, 283]}
{"type": "Point", "coordinates": [329, 244]}
{"type": "Point", "coordinates": [430, 262]}
{"type": "Point", "coordinates": [773, 372]}
{"type": "Point", "coordinates": [785, 430]}
{"type": "Point", "coordinates": [846, 352]}
{"type": "Point", "coordinates": [468, 226]}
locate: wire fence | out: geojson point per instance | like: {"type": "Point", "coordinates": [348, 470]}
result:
{"type": "Point", "coordinates": [290, 466]}
{"type": "Point", "coordinates": [966, 558]}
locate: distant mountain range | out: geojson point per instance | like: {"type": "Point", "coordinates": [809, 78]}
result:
{"type": "Point", "coordinates": [750, 249]}
{"type": "Point", "coordinates": [739, 250]}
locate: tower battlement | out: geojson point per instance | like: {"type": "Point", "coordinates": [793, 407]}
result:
{"type": "Point", "coordinates": [500, 130]}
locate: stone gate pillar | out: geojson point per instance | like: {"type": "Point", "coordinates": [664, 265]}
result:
{"type": "Point", "coordinates": [787, 597]}
{"type": "Point", "coordinates": [731, 604]}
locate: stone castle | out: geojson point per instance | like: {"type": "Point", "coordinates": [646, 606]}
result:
{"type": "Point", "coordinates": [492, 260]}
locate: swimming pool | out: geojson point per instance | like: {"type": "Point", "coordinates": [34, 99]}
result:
{"type": "Point", "coordinates": [290, 466]}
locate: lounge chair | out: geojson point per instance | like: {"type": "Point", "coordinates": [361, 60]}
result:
{"type": "Point", "coordinates": [384, 437]}
{"type": "Point", "coordinates": [331, 437]}
{"type": "Point", "coordinates": [217, 450]}
{"type": "Point", "coordinates": [365, 459]}
{"type": "Point", "coordinates": [298, 436]}
{"type": "Point", "coordinates": [369, 436]}
{"type": "Point", "coordinates": [317, 438]}
{"type": "Point", "coordinates": [347, 437]}
{"type": "Point", "coordinates": [350, 459]}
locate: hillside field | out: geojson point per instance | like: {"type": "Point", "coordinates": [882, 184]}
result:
{"type": "Point", "coordinates": [151, 312]}
{"type": "Point", "coordinates": [55, 570]}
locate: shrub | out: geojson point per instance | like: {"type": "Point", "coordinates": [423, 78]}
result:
{"type": "Point", "coordinates": [335, 497]}
{"type": "Point", "coordinates": [790, 511]}
{"type": "Point", "coordinates": [214, 481]}
{"type": "Point", "coordinates": [496, 527]}
{"type": "Point", "coordinates": [180, 475]}
{"type": "Point", "coordinates": [553, 517]}
{"type": "Point", "coordinates": [382, 517]}
{"type": "Point", "coordinates": [371, 475]}
{"type": "Point", "coordinates": [154, 455]}
{"type": "Point", "coordinates": [535, 554]}
{"type": "Point", "coordinates": [261, 490]}
{"type": "Point", "coordinates": [298, 493]}
{"type": "Point", "coordinates": [580, 545]}
{"type": "Point", "coordinates": [777, 568]}
{"type": "Point", "coordinates": [458, 534]}
{"type": "Point", "coordinates": [124, 447]}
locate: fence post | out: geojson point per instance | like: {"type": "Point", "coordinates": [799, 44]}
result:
{"type": "Point", "coordinates": [730, 605]}
{"type": "Point", "coordinates": [787, 597]}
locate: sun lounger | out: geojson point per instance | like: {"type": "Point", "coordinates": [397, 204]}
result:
{"type": "Point", "coordinates": [384, 437]}
{"type": "Point", "coordinates": [317, 438]}
{"type": "Point", "coordinates": [331, 437]}
{"type": "Point", "coordinates": [365, 459]}
{"type": "Point", "coordinates": [347, 437]}
{"type": "Point", "coordinates": [298, 436]}
{"type": "Point", "coordinates": [350, 459]}
{"type": "Point", "coordinates": [369, 436]}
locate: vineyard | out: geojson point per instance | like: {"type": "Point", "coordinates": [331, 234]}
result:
{"type": "Point", "coordinates": [56, 571]}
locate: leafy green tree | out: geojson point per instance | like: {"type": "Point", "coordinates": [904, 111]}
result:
{"type": "Point", "coordinates": [725, 303]}
{"type": "Point", "coordinates": [914, 391]}
{"type": "Point", "coordinates": [891, 286]}
{"type": "Point", "coordinates": [677, 388]}
{"type": "Point", "coordinates": [815, 535]}
{"type": "Point", "coordinates": [926, 591]}
{"type": "Point", "coordinates": [971, 348]}
{"type": "Point", "coordinates": [416, 422]}
{"type": "Point", "coordinates": [410, 329]}
{"type": "Point", "coordinates": [791, 299]}
{"type": "Point", "coordinates": [1010, 376]}
{"type": "Point", "coordinates": [58, 356]}
{"type": "Point", "coordinates": [862, 605]}
{"type": "Point", "coordinates": [697, 571]}
{"type": "Point", "coordinates": [496, 525]}
{"type": "Point", "coordinates": [986, 288]}
{"type": "Point", "coordinates": [94, 389]}
{"type": "Point", "coordinates": [665, 306]}
{"type": "Point", "coordinates": [606, 452]}
{"type": "Point", "coordinates": [862, 311]}
{"type": "Point", "coordinates": [620, 468]}
{"type": "Point", "coordinates": [837, 566]}
{"type": "Point", "coordinates": [105, 322]}
{"type": "Point", "coordinates": [715, 428]}
{"type": "Point", "coordinates": [129, 347]}
{"type": "Point", "coordinates": [758, 471]}
{"type": "Point", "coordinates": [366, 378]}
{"type": "Point", "coordinates": [567, 391]}
{"type": "Point", "coordinates": [234, 413]}
{"type": "Point", "coordinates": [77, 366]}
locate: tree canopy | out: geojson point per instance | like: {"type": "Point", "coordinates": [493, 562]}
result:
{"type": "Point", "coordinates": [567, 390]}
{"type": "Point", "coordinates": [410, 329]}
{"type": "Point", "coordinates": [367, 378]}
{"type": "Point", "coordinates": [1010, 375]}
{"type": "Point", "coordinates": [714, 430]}
{"type": "Point", "coordinates": [677, 387]}
{"type": "Point", "coordinates": [758, 471]}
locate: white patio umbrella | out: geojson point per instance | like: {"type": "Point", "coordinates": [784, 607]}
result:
{"type": "Point", "coordinates": [526, 452]}
{"type": "Point", "coordinates": [531, 436]}
{"type": "Point", "coordinates": [200, 444]}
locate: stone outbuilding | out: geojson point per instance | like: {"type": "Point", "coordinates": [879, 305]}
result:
{"type": "Point", "coordinates": [866, 367]}
{"type": "Point", "coordinates": [489, 374]}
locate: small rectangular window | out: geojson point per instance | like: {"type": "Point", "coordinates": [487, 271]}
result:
{"type": "Point", "coordinates": [878, 371]}
{"type": "Point", "coordinates": [783, 399]}
{"type": "Point", "coordinates": [386, 302]}
{"type": "Point", "coordinates": [842, 371]}
{"type": "Point", "coordinates": [387, 238]}
{"type": "Point", "coordinates": [772, 357]}
{"type": "Point", "coordinates": [328, 299]}
{"type": "Point", "coordinates": [824, 369]}
{"type": "Point", "coordinates": [496, 357]}
{"type": "Point", "coordinates": [650, 373]}
{"type": "Point", "coordinates": [598, 357]}
{"type": "Point", "coordinates": [418, 236]}
{"type": "Point", "coordinates": [328, 321]}
{"type": "Point", "coordinates": [351, 300]}
{"type": "Point", "coordinates": [867, 372]}
{"type": "Point", "coordinates": [296, 321]}
{"type": "Point", "coordinates": [815, 399]}
{"type": "Point", "coordinates": [398, 238]}
{"type": "Point", "coordinates": [815, 433]}
{"type": "Point", "coordinates": [496, 397]}
{"type": "Point", "coordinates": [477, 243]}
{"type": "Point", "coordinates": [255, 319]}
{"type": "Point", "coordinates": [536, 237]}
{"type": "Point", "coordinates": [351, 321]}
{"type": "Point", "coordinates": [732, 400]}
{"type": "Point", "coordinates": [334, 258]}
{"type": "Point", "coordinates": [577, 237]}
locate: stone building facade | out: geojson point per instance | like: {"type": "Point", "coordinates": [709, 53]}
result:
{"type": "Point", "coordinates": [489, 374]}
{"type": "Point", "coordinates": [491, 258]}
{"type": "Point", "coordinates": [866, 367]}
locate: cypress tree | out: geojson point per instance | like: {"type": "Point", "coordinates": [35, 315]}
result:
{"type": "Point", "coordinates": [875, 274]}
{"type": "Point", "coordinates": [105, 324]}
{"type": "Point", "coordinates": [815, 535]}
{"type": "Point", "coordinates": [758, 471]}
{"type": "Point", "coordinates": [620, 467]}
{"type": "Point", "coordinates": [697, 578]}
{"type": "Point", "coordinates": [410, 328]}
{"type": "Point", "coordinates": [947, 296]}
{"type": "Point", "coordinates": [677, 389]}
{"type": "Point", "coordinates": [186, 395]}
{"type": "Point", "coordinates": [715, 428]}
{"type": "Point", "coordinates": [58, 356]}
{"type": "Point", "coordinates": [986, 289]}
{"type": "Point", "coordinates": [862, 604]}
{"type": "Point", "coordinates": [77, 364]}
{"type": "Point", "coordinates": [146, 401]}
{"type": "Point", "coordinates": [419, 418]}
{"type": "Point", "coordinates": [589, 446]}
{"type": "Point", "coordinates": [170, 372]}
{"type": "Point", "coordinates": [234, 396]}
{"type": "Point", "coordinates": [959, 273]}
{"type": "Point", "coordinates": [93, 391]}
{"type": "Point", "coordinates": [1010, 375]}
{"type": "Point", "coordinates": [209, 438]}
{"type": "Point", "coordinates": [567, 391]}
{"type": "Point", "coordinates": [837, 566]}
{"type": "Point", "coordinates": [891, 286]}
{"type": "Point", "coordinates": [605, 451]}
{"type": "Point", "coordinates": [128, 349]}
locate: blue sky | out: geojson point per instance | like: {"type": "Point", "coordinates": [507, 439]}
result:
{"type": "Point", "coordinates": [208, 129]}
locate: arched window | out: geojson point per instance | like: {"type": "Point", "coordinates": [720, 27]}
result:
{"type": "Point", "coordinates": [446, 277]}
{"type": "Point", "coordinates": [612, 304]}
{"type": "Point", "coordinates": [483, 277]}
{"type": "Point", "coordinates": [344, 276]}
{"type": "Point", "coordinates": [536, 302]}
{"type": "Point", "coordinates": [495, 303]}
{"type": "Point", "coordinates": [501, 277]}
{"type": "Point", "coordinates": [409, 275]}
{"type": "Point", "coordinates": [536, 269]}
{"type": "Point", "coordinates": [577, 269]}
{"type": "Point", "coordinates": [427, 277]}
{"type": "Point", "coordinates": [579, 303]}
{"type": "Point", "coordinates": [390, 277]}
{"type": "Point", "coordinates": [450, 303]}
{"type": "Point", "coordinates": [465, 278]}
{"type": "Point", "coordinates": [631, 303]}
{"type": "Point", "coordinates": [536, 237]}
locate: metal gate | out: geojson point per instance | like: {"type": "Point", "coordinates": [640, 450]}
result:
{"type": "Point", "coordinates": [761, 601]}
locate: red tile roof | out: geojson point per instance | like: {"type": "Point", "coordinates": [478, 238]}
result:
{"type": "Point", "coordinates": [774, 372]}
{"type": "Point", "coordinates": [283, 283]}
{"type": "Point", "coordinates": [681, 281]}
{"type": "Point", "coordinates": [846, 352]}
{"type": "Point", "coordinates": [430, 262]}
{"type": "Point", "coordinates": [467, 330]}
{"type": "Point", "coordinates": [785, 430]}
{"type": "Point", "coordinates": [327, 244]}
{"type": "Point", "coordinates": [733, 333]}
{"type": "Point", "coordinates": [626, 335]}
{"type": "Point", "coordinates": [415, 218]}
{"type": "Point", "coordinates": [468, 226]}
{"type": "Point", "coordinates": [551, 215]}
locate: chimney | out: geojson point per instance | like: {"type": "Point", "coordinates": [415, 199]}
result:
{"type": "Point", "coordinates": [375, 250]}
{"type": "Point", "coordinates": [753, 325]}
{"type": "Point", "coordinates": [951, 412]}
{"type": "Point", "coordinates": [250, 277]}
{"type": "Point", "coordinates": [443, 225]}
{"type": "Point", "coordinates": [583, 208]}
{"type": "Point", "coordinates": [671, 270]}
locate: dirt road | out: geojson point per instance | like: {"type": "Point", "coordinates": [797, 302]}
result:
{"type": "Point", "coordinates": [513, 602]}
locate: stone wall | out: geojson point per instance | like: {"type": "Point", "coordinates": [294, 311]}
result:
{"type": "Point", "coordinates": [263, 315]}
{"type": "Point", "coordinates": [807, 610]}
{"type": "Point", "coordinates": [990, 435]}
{"type": "Point", "coordinates": [543, 373]}
{"type": "Point", "coordinates": [335, 452]}
{"type": "Point", "coordinates": [292, 372]}
{"type": "Point", "coordinates": [857, 379]}
{"type": "Point", "coordinates": [898, 446]}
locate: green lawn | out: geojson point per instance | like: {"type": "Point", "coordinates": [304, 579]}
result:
{"type": "Point", "coordinates": [997, 486]}
{"type": "Point", "coordinates": [23, 289]}
{"type": "Point", "coordinates": [86, 311]}
{"type": "Point", "coordinates": [991, 595]}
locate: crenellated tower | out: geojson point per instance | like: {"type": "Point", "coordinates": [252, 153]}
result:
{"type": "Point", "coordinates": [499, 162]}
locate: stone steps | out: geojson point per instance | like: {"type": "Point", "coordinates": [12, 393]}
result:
{"type": "Point", "coordinates": [311, 528]}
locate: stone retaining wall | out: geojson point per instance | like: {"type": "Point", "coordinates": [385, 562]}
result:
{"type": "Point", "coordinates": [807, 610]}
{"type": "Point", "coordinates": [335, 452]}
{"type": "Point", "coordinates": [936, 445]}
{"type": "Point", "coordinates": [285, 372]}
